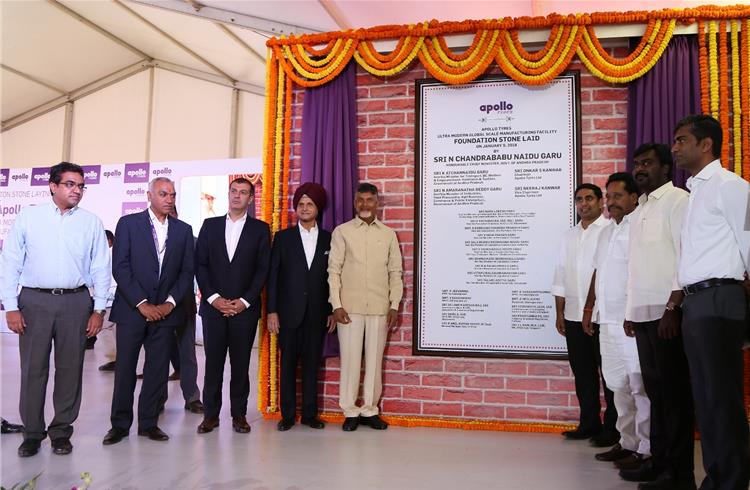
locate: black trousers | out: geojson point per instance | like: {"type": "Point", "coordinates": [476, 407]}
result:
{"type": "Point", "coordinates": [183, 360]}
{"type": "Point", "coordinates": [236, 336]}
{"type": "Point", "coordinates": [666, 378]}
{"type": "Point", "coordinates": [156, 341]}
{"type": "Point", "coordinates": [586, 362]}
{"type": "Point", "coordinates": [714, 323]}
{"type": "Point", "coordinates": [305, 341]}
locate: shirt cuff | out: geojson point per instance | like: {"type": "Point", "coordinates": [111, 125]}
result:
{"type": "Point", "coordinates": [213, 298]}
{"type": "Point", "coordinates": [100, 303]}
{"type": "Point", "coordinates": [394, 305]}
{"type": "Point", "coordinates": [247, 305]}
{"type": "Point", "coordinates": [170, 299]}
{"type": "Point", "coordinates": [140, 303]}
{"type": "Point", "coordinates": [557, 291]}
{"type": "Point", "coordinates": [11, 304]}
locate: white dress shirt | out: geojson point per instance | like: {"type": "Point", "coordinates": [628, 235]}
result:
{"type": "Point", "coordinates": [232, 233]}
{"type": "Point", "coordinates": [655, 228]}
{"type": "Point", "coordinates": [309, 242]}
{"type": "Point", "coordinates": [611, 264]}
{"type": "Point", "coordinates": [575, 266]}
{"type": "Point", "coordinates": [716, 230]}
{"type": "Point", "coordinates": [162, 233]}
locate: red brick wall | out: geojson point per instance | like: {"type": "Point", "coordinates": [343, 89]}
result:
{"type": "Point", "coordinates": [492, 389]}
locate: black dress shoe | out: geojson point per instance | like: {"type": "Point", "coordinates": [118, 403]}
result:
{"type": "Point", "coordinates": [578, 434]}
{"type": "Point", "coordinates": [350, 424]}
{"type": "Point", "coordinates": [29, 447]}
{"type": "Point", "coordinates": [374, 421]}
{"type": "Point", "coordinates": [153, 433]}
{"type": "Point", "coordinates": [208, 425]}
{"type": "Point", "coordinates": [109, 367]}
{"type": "Point", "coordinates": [194, 407]}
{"type": "Point", "coordinates": [605, 438]}
{"type": "Point", "coordinates": [285, 424]}
{"type": "Point", "coordinates": [665, 481]}
{"type": "Point", "coordinates": [645, 473]}
{"type": "Point", "coordinates": [313, 422]}
{"type": "Point", "coordinates": [632, 462]}
{"type": "Point", "coordinates": [615, 453]}
{"type": "Point", "coordinates": [114, 436]}
{"type": "Point", "coordinates": [62, 446]}
{"type": "Point", "coordinates": [240, 425]}
{"type": "Point", "coordinates": [8, 428]}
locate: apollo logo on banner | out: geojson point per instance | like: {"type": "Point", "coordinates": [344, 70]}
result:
{"type": "Point", "coordinates": [39, 176]}
{"type": "Point", "coordinates": [133, 207]}
{"type": "Point", "coordinates": [136, 173]}
{"type": "Point", "coordinates": [91, 174]}
{"type": "Point", "coordinates": [4, 177]}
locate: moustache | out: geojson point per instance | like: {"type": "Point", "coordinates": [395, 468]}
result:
{"type": "Point", "coordinates": [610, 208]}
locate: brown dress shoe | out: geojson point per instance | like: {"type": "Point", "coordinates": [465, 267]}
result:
{"type": "Point", "coordinates": [194, 406]}
{"type": "Point", "coordinates": [240, 425]}
{"type": "Point", "coordinates": [153, 433]}
{"type": "Point", "coordinates": [208, 425]}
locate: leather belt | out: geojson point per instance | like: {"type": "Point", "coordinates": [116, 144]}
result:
{"type": "Point", "coordinates": [59, 291]}
{"type": "Point", "coordinates": [708, 283]}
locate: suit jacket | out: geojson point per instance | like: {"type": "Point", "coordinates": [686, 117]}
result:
{"type": "Point", "coordinates": [135, 267]}
{"type": "Point", "coordinates": [244, 276]}
{"type": "Point", "coordinates": [293, 289]}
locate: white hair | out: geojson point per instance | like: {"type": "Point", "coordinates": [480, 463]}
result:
{"type": "Point", "coordinates": [158, 179]}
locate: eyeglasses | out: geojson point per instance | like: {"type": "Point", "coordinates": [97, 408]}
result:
{"type": "Point", "coordinates": [70, 185]}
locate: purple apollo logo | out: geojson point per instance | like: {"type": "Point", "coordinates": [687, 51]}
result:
{"type": "Point", "coordinates": [4, 177]}
{"type": "Point", "coordinates": [133, 207]}
{"type": "Point", "coordinates": [502, 106]}
{"type": "Point", "coordinates": [91, 174]}
{"type": "Point", "coordinates": [39, 176]}
{"type": "Point", "coordinates": [136, 173]}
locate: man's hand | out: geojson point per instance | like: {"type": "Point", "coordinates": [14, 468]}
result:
{"type": "Point", "coordinates": [150, 311]}
{"type": "Point", "coordinates": [588, 327]}
{"type": "Point", "coordinates": [341, 316]}
{"type": "Point", "coordinates": [331, 323]}
{"type": "Point", "coordinates": [237, 306]}
{"type": "Point", "coordinates": [629, 328]}
{"type": "Point", "coordinates": [15, 321]}
{"type": "Point", "coordinates": [392, 320]}
{"type": "Point", "coordinates": [272, 321]}
{"type": "Point", "coordinates": [165, 309]}
{"type": "Point", "coordinates": [223, 305]}
{"type": "Point", "coordinates": [94, 325]}
{"type": "Point", "coordinates": [560, 325]}
{"type": "Point", "coordinates": [669, 325]}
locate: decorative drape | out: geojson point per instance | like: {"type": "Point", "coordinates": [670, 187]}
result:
{"type": "Point", "coordinates": [329, 144]}
{"type": "Point", "coordinates": [663, 96]}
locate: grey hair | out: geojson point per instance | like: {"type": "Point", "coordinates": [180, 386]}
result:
{"type": "Point", "coordinates": [158, 179]}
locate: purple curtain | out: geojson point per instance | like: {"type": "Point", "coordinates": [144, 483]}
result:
{"type": "Point", "coordinates": [329, 143]}
{"type": "Point", "coordinates": [663, 96]}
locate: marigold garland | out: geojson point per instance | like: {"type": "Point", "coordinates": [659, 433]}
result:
{"type": "Point", "coordinates": [542, 57]}
{"type": "Point", "coordinates": [703, 66]}
{"type": "Point", "coordinates": [736, 106]}
{"type": "Point", "coordinates": [713, 71]}
{"type": "Point", "coordinates": [745, 111]}
{"type": "Point", "coordinates": [554, 36]}
{"type": "Point", "coordinates": [724, 92]}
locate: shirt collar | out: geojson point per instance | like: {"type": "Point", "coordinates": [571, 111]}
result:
{"type": "Point", "coordinates": [705, 174]}
{"type": "Point", "coordinates": [57, 211]}
{"type": "Point", "coordinates": [656, 193]}
{"type": "Point", "coordinates": [154, 219]}
{"type": "Point", "coordinates": [244, 218]}
{"type": "Point", "coordinates": [359, 222]}
{"type": "Point", "coordinates": [600, 221]}
{"type": "Point", "coordinates": [312, 230]}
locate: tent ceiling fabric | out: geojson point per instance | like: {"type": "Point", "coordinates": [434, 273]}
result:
{"type": "Point", "coordinates": [43, 43]}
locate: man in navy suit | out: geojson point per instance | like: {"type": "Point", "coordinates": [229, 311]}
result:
{"type": "Point", "coordinates": [231, 262]}
{"type": "Point", "coordinates": [152, 262]}
{"type": "Point", "coordinates": [298, 303]}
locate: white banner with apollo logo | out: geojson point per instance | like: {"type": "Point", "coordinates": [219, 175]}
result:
{"type": "Point", "coordinates": [115, 190]}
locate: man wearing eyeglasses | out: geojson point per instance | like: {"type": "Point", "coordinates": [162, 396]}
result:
{"type": "Point", "coordinates": [54, 253]}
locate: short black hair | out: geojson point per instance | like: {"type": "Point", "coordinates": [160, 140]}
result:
{"type": "Point", "coordinates": [243, 180]}
{"type": "Point", "coordinates": [110, 235]}
{"type": "Point", "coordinates": [367, 187]}
{"type": "Point", "coordinates": [592, 187]}
{"type": "Point", "coordinates": [630, 184]}
{"type": "Point", "coordinates": [703, 126]}
{"type": "Point", "coordinates": [663, 154]}
{"type": "Point", "coordinates": [56, 171]}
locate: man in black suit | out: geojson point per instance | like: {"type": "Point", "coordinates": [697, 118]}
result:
{"type": "Point", "coordinates": [231, 261]}
{"type": "Point", "coordinates": [298, 303]}
{"type": "Point", "coordinates": [152, 262]}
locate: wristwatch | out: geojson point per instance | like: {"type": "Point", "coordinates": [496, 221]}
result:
{"type": "Point", "coordinates": [101, 312]}
{"type": "Point", "coordinates": [671, 306]}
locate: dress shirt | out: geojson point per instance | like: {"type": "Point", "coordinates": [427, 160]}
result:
{"type": "Point", "coordinates": [716, 230]}
{"type": "Point", "coordinates": [309, 242]}
{"type": "Point", "coordinates": [364, 268]}
{"type": "Point", "coordinates": [575, 266]}
{"type": "Point", "coordinates": [611, 264]}
{"type": "Point", "coordinates": [654, 252]}
{"type": "Point", "coordinates": [232, 233]}
{"type": "Point", "coordinates": [162, 233]}
{"type": "Point", "coordinates": [48, 249]}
